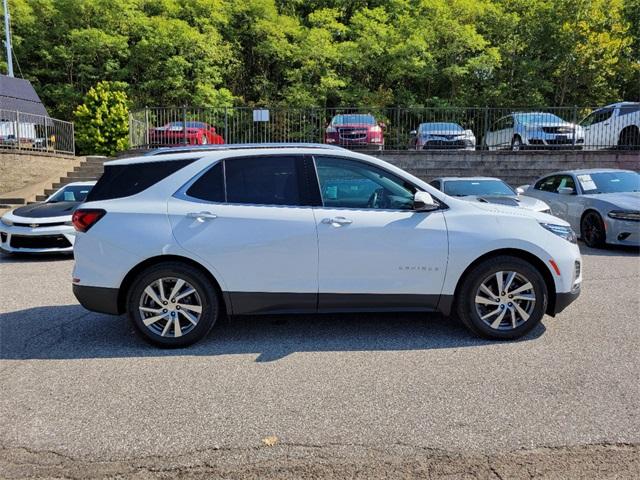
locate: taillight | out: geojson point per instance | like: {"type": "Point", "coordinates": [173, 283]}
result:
{"type": "Point", "coordinates": [84, 218]}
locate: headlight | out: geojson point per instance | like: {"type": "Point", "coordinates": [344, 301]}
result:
{"type": "Point", "coordinates": [632, 215]}
{"type": "Point", "coordinates": [565, 232]}
{"type": "Point", "coordinates": [331, 129]}
{"type": "Point", "coordinates": [6, 221]}
{"type": "Point", "coordinates": [546, 210]}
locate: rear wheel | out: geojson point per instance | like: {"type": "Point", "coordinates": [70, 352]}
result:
{"type": "Point", "coordinates": [502, 298]}
{"type": "Point", "coordinates": [592, 230]}
{"type": "Point", "coordinates": [172, 305]}
{"type": "Point", "coordinates": [629, 139]}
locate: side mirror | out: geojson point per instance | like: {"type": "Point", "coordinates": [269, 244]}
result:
{"type": "Point", "coordinates": [413, 133]}
{"type": "Point", "coordinates": [382, 125]}
{"type": "Point", "coordinates": [423, 202]}
{"type": "Point", "coordinates": [519, 190]}
{"type": "Point", "coordinates": [565, 191]}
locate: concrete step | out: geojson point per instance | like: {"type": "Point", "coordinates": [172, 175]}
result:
{"type": "Point", "coordinates": [50, 191]}
{"type": "Point", "coordinates": [65, 180]}
{"type": "Point", "coordinates": [83, 174]}
{"type": "Point", "coordinates": [89, 169]}
{"type": "Point", "coordinates": [95, 160]}
{"type": "Point", "coordinates": [13, 201]}
{"type": "Point", "coordinates": [41, 198]}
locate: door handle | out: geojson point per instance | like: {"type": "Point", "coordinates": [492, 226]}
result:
{"type": "Point", "coordinates": [202, 216]}
{"type": "Point", "coordinates": [337, 221]}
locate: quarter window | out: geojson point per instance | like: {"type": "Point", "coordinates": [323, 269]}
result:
{"type": "Point", "coordinates": [351, 184]}
{"type": "Point", "coordinates": [627, 109]}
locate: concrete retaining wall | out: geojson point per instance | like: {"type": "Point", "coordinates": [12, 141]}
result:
{"type": "Point", "coordinates": [515, 168]}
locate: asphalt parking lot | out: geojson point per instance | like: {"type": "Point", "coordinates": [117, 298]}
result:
{"type": "Point", "coordinates": [367, 396]}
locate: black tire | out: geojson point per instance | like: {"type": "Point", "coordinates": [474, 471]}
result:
{"type": "Point", "coordinates": [205, 296]}
{"type": "Point", "coordinates": [516, 144]}
{"type": "Point", "coordinates": [629, 139]}
{"type": "Point", "coordinates": [466, 309]}
{"type": "Point", "coordinates": [592, 230]}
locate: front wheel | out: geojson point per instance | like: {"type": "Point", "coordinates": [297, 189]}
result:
{"type": "Point", "coordinates": [592, 230]}
{"type": "Point", "coordinates": [516, 144]}
{"type": "Point", "coordinates": [502, 298]}
{"type": "Point", "coordinates": [172, 305]}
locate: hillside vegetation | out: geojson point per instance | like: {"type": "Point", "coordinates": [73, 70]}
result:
{"type": "Point", "coordinates": [331, 52]}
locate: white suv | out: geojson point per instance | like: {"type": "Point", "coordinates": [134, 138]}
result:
{"type": "Point", "coordinates": [176, 240]}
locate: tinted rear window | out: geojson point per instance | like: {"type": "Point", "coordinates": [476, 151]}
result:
{"type": "Point", "coordinates": [210, 186]}
{"type": "Point", "coordinates": [263, 181]}
{"type": "Point", "coordinates": [120, 181]}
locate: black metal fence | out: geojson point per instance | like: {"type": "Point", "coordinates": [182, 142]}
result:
{"type": "Point", "coordinates": [566, 128]}
{"type": "Point", "coordinates": [26, 131]}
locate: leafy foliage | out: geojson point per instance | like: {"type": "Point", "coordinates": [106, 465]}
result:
{"type": "Point", "coordinates": [102, 121]}
{"type": "Point", "coordinates": [215, 53]}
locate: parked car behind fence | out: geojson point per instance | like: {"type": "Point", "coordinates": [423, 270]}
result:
{"type": "Point", "coordinates": [309, 125]}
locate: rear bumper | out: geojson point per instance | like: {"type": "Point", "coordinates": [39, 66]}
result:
{"type": "Point", "coordinates": [98, 299]}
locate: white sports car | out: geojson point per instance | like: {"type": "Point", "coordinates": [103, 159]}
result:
{"type": "Point", "coordinates": [44, 227]}
{"type": "Point", "coordinates": [488, 190]}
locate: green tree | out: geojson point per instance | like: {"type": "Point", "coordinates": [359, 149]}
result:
{"type": "Point", "coordinates": [102, 121]}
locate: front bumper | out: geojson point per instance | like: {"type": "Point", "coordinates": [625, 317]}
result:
{"type": "Point", "coordinates": [564, 299]}
{"type": "Point", "coordinates": [56, 239]}
{"type": "Point", "coordinates": [98, 299]}
{"type": "Point", "coordinates": [623, 232]}
{"type": "Point", "coordinates": [553, 140]}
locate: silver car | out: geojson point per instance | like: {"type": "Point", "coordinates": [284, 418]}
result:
{"type": "Point", "coordinates": [533, 130]}
{"type": "Point", "coordinates": [602, 204]}
{"type": "Point", "coordinates": [487, 190]}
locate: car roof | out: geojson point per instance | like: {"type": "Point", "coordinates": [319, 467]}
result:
{"type": "Point", "coordinates": [618, 104]}
{"type": "Point", "coordinates": [584, 171]}
{"type": "Point", "coordinates": [236, 146]}
{"type": "Point", "coordinates": [209, 151]}
{"type": "Point", "coordinates": [451, 179]}
{"type": "Point", "coordinates": [80, 184]}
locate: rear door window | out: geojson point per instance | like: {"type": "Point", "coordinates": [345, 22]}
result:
{"type": "Point", "coordinates": [210, 186]}
{"type": "Point", "coordinates": [265, 180]}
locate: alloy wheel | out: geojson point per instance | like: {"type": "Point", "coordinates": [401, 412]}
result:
{"type": "Point", "coordinates": [170, 307]}
{"type": "Point", "coordinates": [592, 230]}
{"type": "Point", "coordinates": [505, 300]}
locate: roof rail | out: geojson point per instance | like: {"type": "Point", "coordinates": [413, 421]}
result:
{"type": "Point", "coordinates": [237, 146]}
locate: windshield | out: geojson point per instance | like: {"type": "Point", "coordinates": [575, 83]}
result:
{"type": "Point", "coordinates": [609, 182]}
{"type": "Point", "coordinates": [353, 118]}
{"type": "Point", "coordinates": [463, 188]}
{"type": "Point", "coordinates": [442, 127]}
{"type": "Point", "coordinates": [188, 124]}
{"type": "Point", "coordinates": [74, 193]}
{"type": "Point", "coordinates": [538, 118]}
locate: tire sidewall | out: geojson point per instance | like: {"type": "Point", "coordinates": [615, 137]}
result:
{"type": "Point", "coordinates": [466, 308]}
{"type": "Point", "coordinates": [206, 292]}
{"type": "Point", "coordinates": [600, 241]}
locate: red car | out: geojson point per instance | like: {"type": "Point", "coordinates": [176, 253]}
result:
{"type": "Point", "coordinates": [175, 133]}
{"type": "Point", "coordinates": [355, 130]}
